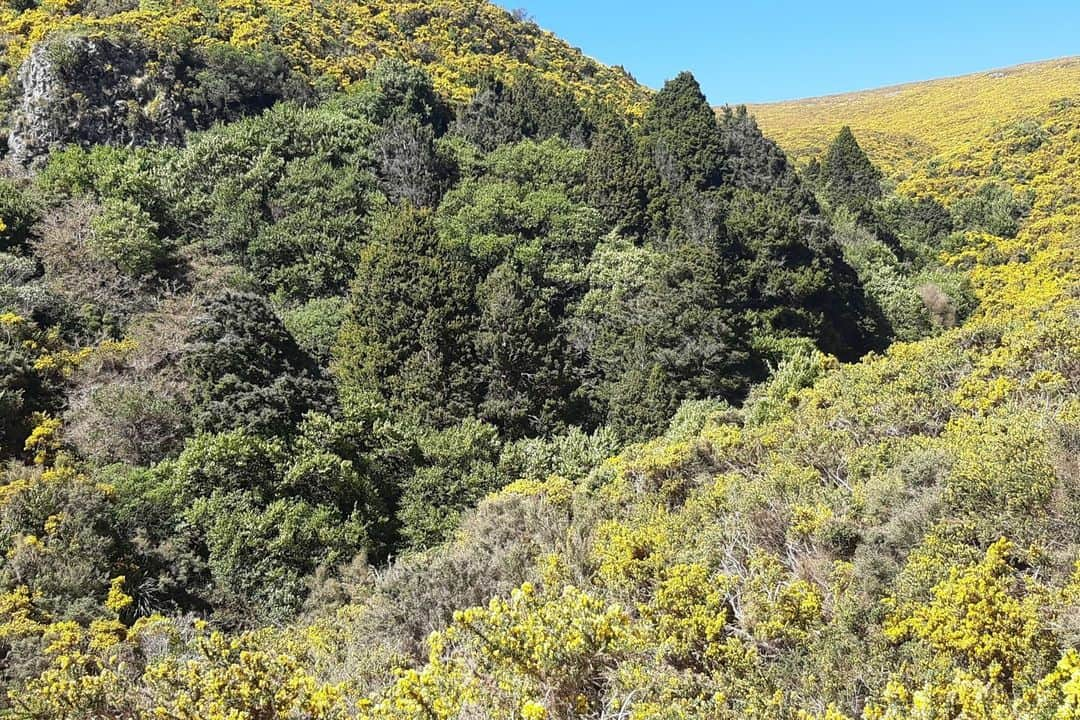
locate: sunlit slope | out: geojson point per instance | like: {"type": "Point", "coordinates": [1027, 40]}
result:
{"type": "Point", "coordinates": [337, 42]}
{"type": "Point", "coordinates": [848, 511]}
{"type": "Point", "coordinates": [903, 125]}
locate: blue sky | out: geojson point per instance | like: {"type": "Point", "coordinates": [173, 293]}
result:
{"type": "Point", "coordinates": [761, 50]}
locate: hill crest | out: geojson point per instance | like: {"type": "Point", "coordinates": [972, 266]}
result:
{"type": "Point", "coordinates": [904, 125]}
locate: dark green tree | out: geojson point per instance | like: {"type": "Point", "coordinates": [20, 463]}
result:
{"type": "Point", "coordinates": [754, 161]}
{"type": "Point", "coordinates": [230, 83]}
{"type": "Point", "coordinates": [457, 469]}
{"type": "Point", "coordinates": [523, 107]}
{"type": "Point", "coordinates": [656, 328]}
{"type": "Point", "coordinates": [615, 176]}
{"type": "Point", "coordinates": [18, 213]}
{"type": "Point", "coordinates": [410, 322]}
{"type": "Point", "coordinates": [994, 208]}
{"type": "Point", "coordinates": [284, 195]}
{"type": "Point", "coordinates": [238, 522]}
{"type": "Point", "coordinates": [395, 87]}
{"type": "Point", "coordinates": [409, 166]}
{"type": "Point", "coordinates": [847, 175]}
{"type": "Point", "coordinates": [682, 138]}
{"type": "Point", "coordinates": [527, 229]}
{"type": "Point", "coordinates": [793, 279]}
{"type": "Point", "coordinates": [260, 556]}
{"type": "Point", "coordinates": [247, 371]}
{"type": "Point", "coordinates": [24, 389]}
{"type": "Point", "coordinates": [528, 373]}
{"type": "Point", "coordinates": [527, 203]}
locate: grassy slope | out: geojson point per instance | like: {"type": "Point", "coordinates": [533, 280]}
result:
{"type": "Point", "coordinates": [904, 125]}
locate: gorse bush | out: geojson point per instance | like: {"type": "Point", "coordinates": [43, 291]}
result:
{"type": "Point", "coordinates": [125, 234]}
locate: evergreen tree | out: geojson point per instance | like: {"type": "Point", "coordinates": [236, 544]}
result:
{"type": "Point", "coordinates": [528, 373]}
{"type": "Point", "coordinates": [615, 179]}
{"type": "Point", "coordinates": [394, 86]}
{"type": "Point", "coordinates": [656, 328]}
{"type": "Point", "coordinates": [848, 176]}
{"type": "Point", "coordinates": [286, 195]}
{"type": "Point", "coordinates": [682, 138]}
{"type": "Point", "coordinates": [794, 281]}
{"type": "Point", "coordinates": [411, 322]}
{"type": "Point", "coordinates": [754, 161]}
{"type": "Point", "coordinates": [247, 371]}
{"type": "Point", "coordinates": [19, 214]}
{"type": "Point", "coordinates": [523, 108]}
{"type": "Point", "coordinates": [543, 110]}
{"type": "Point", "coordinates": [456, 470]}
{"type": "Point", "coordinates": [409, 167]}
{"type": "Point", "coordinates": [530, 236]}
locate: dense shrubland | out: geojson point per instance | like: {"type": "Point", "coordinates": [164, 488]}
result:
{"type": "Point", "coordinates": [477, 382]}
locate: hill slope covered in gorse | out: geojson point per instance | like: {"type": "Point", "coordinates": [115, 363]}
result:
{"type": "Point", "coordinates": [394, 360]}
{"type": "Point", "coordinates": [904, 126]}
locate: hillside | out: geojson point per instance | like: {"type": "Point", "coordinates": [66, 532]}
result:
{"type": "Point", "coordinates": [902, 126]}
{"type": "Point", "coordinates": [395, 361]}
{"type": "Point", "coordinates": [158, 69]}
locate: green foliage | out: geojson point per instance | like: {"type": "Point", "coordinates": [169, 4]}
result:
{"type": "Point", "coordinates": [247, 371]}
{"type": "Point", "coordinates": [409, 166]}
{"type": "Point", "coordinates": [26, 389]}
{"type": "Point", "coordinates": [409, 319]}
{"type": "Point", "coordinates": [682, 138]}
{"type": "Point", "coordinates": [259, 556]}
{"type": "Point", "coordinates": [284, 195]}
{"type": "Point", "coordinates": [59, 538]}
{"type": "Point", "coordinates": [615, 183]}
{"type": "Point", "coordinates": [371, 416]}
{"type": "Point", "coordinates": [526, 207]}
{"type": "Point", "coordinates": [230, 83]}
{"type": "Point", "coordinates": [658, 330]}
{"type": "Point", "coordinates": [18, 214]}
{"type": "Point", "coordinates": [772, 400]}
{"type": "Point", "coordinates": [126, 235]}
{"type": "Point", "coordinates": [457, 469]}
{"type": "Point", "coordinates": [1006, 469]}
{"type": "Point", "coordinates": [525, 108]}
{"type": "Point", "coordinates": [315, 326]}
{"type": "Point", "coordinates": [527, 370]}
{"type": "Point", "coordinates": [796, 278]}
{"type": "Point", "coordinates": [847, 176]}
{"type": "Point", "coordinates": [241, 522]}
{"type": "Point", "coordinates": [994, 209]}
{"type": "Point", "coordinates": [755, 162]}
{"type": "Point", "coordinates": [916, 223]}
{"type": "Point", "coordinates": [234, 461]}
{"type": "Point", "coordinates": [394, 87]}
{"type": "Point", "coordinates": [571, 455]}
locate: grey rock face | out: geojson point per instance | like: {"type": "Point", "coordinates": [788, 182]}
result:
{"type": "Point", "coordinates": [85, 91]}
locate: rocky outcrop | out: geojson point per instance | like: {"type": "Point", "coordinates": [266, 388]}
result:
{"type": "Point", "coordinates": [89, 90]}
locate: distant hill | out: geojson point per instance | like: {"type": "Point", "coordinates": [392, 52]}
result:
{"type": "Point", "coordinates": [903, 125]}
